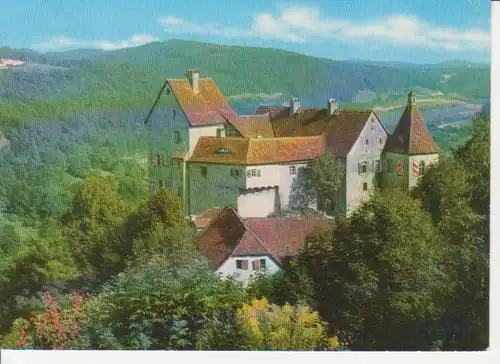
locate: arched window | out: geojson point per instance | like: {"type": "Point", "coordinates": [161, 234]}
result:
{"type": "Point", "coordinates": [421, 168]}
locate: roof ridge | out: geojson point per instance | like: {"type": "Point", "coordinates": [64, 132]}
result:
{"type": "Point", "coordinates": [411, 124]}
{"type": "Point", "coordinates": [288, 138]}
{"type": "Point", "coordinates": [185, 79]}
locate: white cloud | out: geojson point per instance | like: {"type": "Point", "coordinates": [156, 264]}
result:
{"type": "Point", "coordinates": [410, 31]}
{"type": "Point", "coordinates": [301, 24]}
{"type": "Point", "coordinates": [175, 25]}
{"type": "Point", "coordinates": [62, 43]}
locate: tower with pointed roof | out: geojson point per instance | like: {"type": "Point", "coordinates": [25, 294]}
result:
{"type": "Point", "coordinates": [409, 150]}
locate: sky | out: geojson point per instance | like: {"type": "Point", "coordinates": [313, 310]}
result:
{"type": "Point", "coordinates": [416, 31]}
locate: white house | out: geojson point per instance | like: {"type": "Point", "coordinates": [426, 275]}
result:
{"type": "Point", "coordinates": [254, 176]}
{"type": "Point", "coordinates": [243, 248]}
{"type": "Point", "coordinates": [372, 157]}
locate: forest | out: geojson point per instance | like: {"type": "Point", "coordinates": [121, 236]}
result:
{"type": "Point", "coordinates": [89, 260]}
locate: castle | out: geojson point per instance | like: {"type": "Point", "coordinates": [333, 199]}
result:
{"type": "Point", "coordinates": [234, 173]}
{"type": "Point", "coordinates": [213, 157]}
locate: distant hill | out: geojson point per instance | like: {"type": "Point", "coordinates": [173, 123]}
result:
{"type": "Point", "coordinates": [131, 77]}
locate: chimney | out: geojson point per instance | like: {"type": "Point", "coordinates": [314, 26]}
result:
{"type": "Point", "coordinates": [193, 76]}
{"type": "Point", "coordinates": [294, 105]}
{"type": "Point", "coordinates": [412, 99]}
{"type": "Point", "coordinates": [332, 106]}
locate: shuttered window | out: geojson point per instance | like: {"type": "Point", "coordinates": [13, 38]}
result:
{"type": "Point", "coordinates": [242, 264]}
{"type": "Point", "coordinates": [256, 265]}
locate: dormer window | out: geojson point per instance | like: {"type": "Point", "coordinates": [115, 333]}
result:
{"type": "Point", "coordinates": [223, 151]}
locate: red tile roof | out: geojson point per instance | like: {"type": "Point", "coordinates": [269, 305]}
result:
{"type": "Point", "coordinates": [205, 218]}
{"type": "Point", "coordinates": [249, 151]}
{"type": "Point", "coordinates": [284, 237]}
{"type": "Point", "coordinates": [342, 128]}
{"type": "Point", "coordinates": [221, 237]}
{"type": "Point", "coordinates": [230, 235]}
{"type": "Point", "coordinates": [411, 136]}
{"type": "Point", "coordinates": [273, 111]}
{"type": "Point", "coordinates": [253, 126]}
{"type": "Point", "coordinates": [206, 107]}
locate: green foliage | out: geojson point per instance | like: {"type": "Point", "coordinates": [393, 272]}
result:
{"type": "Point", "coordinates": [378, 274]}
{"type": "Point", "coordinates": [159, 227]}
{"type": "Point", "coordinates": [456, 192]}
{"type": "Point", "coordinates": [327, 175]}
{"type": "Point", "coordinates": [289, 285]}
{"type": "Point", "coordinates": [164, 306]}
{"type": "Point", "coordinates": [265, 326]}
{"type": "Point", "coordinates": [323, 178]}
{"type": "Point", "coordinates": [35, 263]}
{"type": "Point", "coordinates": [91, 226]}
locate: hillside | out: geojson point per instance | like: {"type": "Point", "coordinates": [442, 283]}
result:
{"type": "Point", "coordinates": [130, 77]}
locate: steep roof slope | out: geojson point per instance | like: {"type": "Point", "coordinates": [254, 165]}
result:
{"type": "Point", "coordinates": [253, 126]}
{"type": "Point", "coordinates": [206, 107]}
{"type": "Point", "coordinates": [221, 237]}
{"type": "Point", "coordinates": [206, 217]}
{"type": "Point", "coordinates": [411, 136]}
{"type": "Point", "coordinates": [249, 151]}
{"type": "Point", "coordinates": [342, 128]}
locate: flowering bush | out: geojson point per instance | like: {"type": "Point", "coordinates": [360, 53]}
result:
{"type": "Point", "coordinates": [265, 326]}
{"type": "Point", "coordinates": [55, 327]}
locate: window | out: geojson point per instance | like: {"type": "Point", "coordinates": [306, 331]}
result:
{"type": "Point", "coordinates": [174, 113]}
{"type": "Point", "coordinates": [242, 264]}
{"type": "Point", "coordinates": [365, 186]}
{"type": "Point", "coordinates": [421, 168]}
{"type": "Point", "coordinates": [377, 166]}
{"type": "Point", "coordinates": [292, 170]}
{"type": "Point", "coordinates": [366, 141]}
{"type": "Point", "coordinates": [223, 151]}
{"type": "Point", "coordinates": [177, 137]}
{"type": "Point", "coordinates": [380, 140]}
{"type": "Point", "coordinates": [253, 173]}
{"type": "Point", "coordinates": [262, 264]}
{"type": "Point", "coordinates": [219, 132]}
{"type": "Point", "coordinates": [256, 265]}
{"type": "Point", "coordinates": [203, 171]}
{"type": "Point", "coordinates": [234, 173]}
{"type": "Point", "coordinates": [373, 120]}
{"type": "Point", "coordinates": [363, 167]}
